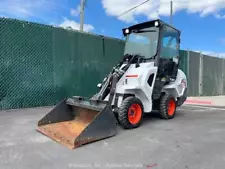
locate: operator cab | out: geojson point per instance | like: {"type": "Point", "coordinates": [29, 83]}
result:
{"type": "Point", "coordinates": [158, 42]}
{"type": "Point", "coordinates": [155, 41]}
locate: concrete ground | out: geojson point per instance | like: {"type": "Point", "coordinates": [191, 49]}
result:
{"type": "Point", "coordinates": [195, 139]}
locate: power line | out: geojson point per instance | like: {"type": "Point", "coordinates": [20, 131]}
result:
{"type": "Point", "coordinates": [133, 8]}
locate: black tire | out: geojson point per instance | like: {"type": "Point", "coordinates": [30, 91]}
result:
{"type": "Point", "coordinates": [123, 112]}
{"type": "Point", "coordinates": [164, 107]}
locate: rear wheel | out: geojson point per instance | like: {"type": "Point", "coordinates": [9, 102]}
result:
{"type": "Point", "coordinates": [130, 113]}
{"type": "Point", "coordinates": [167, 108]}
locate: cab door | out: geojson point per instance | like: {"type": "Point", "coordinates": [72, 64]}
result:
{"type": "Point", "coordinates": [169, 53]}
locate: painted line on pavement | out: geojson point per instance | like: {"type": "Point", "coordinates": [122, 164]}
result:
{"type": "Point", "coordinates": [203, 107]}
{"type": "Point", "coordinates": [198, 102]}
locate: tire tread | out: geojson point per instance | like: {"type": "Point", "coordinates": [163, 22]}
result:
{"type": "Point", "coordinates": [163, 107]}
{"type": "Point", "coordinates": [123, 115]}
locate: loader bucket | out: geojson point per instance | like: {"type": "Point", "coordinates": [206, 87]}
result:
{"type": "Point", "coordinates": [75, 122]}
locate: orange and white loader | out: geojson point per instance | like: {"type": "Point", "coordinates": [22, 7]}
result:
{"type": "Point", "coordinates": [147, 78]}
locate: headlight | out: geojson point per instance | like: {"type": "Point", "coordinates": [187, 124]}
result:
{"type": "Point", "coordinates": [156, 23]}
{"type": "Point", "coordinates": [99, 85]}
{"type": "Point", "coordinates": [127, 31]}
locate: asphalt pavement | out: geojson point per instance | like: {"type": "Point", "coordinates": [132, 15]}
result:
{"type": "Point", "coordinates": [194, 139]}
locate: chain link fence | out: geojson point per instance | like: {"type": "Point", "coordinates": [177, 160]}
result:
{"type": "Point", "coordinates": [40, 65]}
{"type": "Point", "coordinates": [205, 75]}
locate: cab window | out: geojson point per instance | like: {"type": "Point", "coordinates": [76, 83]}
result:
{"type": "Point", "coordinates": [169, 47]}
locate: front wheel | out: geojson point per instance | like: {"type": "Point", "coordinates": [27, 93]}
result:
{"type": "Point", "coordinates": [130, 113]}
{"type": "Point", "coordinates": [167, 108]}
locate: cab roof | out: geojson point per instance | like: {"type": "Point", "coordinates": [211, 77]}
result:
{"type": "Point", "coordinates": [147, 25]}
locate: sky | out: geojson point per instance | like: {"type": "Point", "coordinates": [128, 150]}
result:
{"type": "Point", "coordinates": [202, 22]}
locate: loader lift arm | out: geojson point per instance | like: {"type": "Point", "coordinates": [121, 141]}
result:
{"type": "Point", "coordinates": [109, 85]}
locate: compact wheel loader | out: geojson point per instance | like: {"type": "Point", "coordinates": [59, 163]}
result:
{"type": "Point", "coordinates": [147, 78]}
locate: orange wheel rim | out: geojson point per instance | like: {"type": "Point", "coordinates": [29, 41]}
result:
{"type": "Point", "coordinates": [134, 113]}
{"type": "Point", "coordinates": [171, 107]}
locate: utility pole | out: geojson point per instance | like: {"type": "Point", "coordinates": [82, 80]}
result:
{"type": "Point", "coordinates": [171, 12]}
{"type": "Point", "coordinates": [82, 15]}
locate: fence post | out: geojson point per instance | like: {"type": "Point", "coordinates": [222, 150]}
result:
{"type": "Point", "coordinates": [200, 74]}
{"type": "Point", "coordinates": [188, 64]}
{"type": "Point", "coordinates": [223, 85]}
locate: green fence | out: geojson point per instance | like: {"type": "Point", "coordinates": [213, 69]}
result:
{"type": "Point", "coordinates": [212, 76]}
{"type": "Point", "coordinates": [41, 65]}
{"type": "Point", "coordinates": [183, 61]}
{"type": "Point", "coordinates": [205, 75]}
{"type": "Point", "coordinates": [193, 77]}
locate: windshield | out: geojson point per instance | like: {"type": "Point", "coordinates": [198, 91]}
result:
{"type": "Point", "coordinates": [142, 42]}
